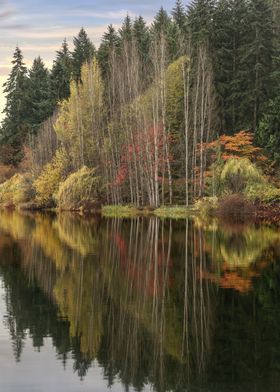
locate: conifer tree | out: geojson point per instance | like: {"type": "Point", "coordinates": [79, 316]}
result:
{"type": "Point", "coordinates": [126, 29]}
{"type": "Point", "coordinates": [268, 131]}
{"type": "Point", "coordinates": [84, 51]}
{"type": "Point", "coordinates": [14, 125]}
{"type": "Point", "coordinates": [161, 22]}
{"type": "Point", "coordinates": [39, 95]}
{"type": "Point", "coordinates": [142, 42]}
{"type": "Point", "coordinates": [141, 37]}
{"type": "Point", "coordinates": [257, 59]}
{"type": "Point", "coordinates": [164, 29]}
{"type": "Point", "coordinates": [179, 15]}
{"type": "Point", "coordinates": [110, 44]}
{"type": "Point", "coordinates": [200, 18]}
{"type": "Point", "coordinates": [61, 74]}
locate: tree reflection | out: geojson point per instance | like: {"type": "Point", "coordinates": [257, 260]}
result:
{"type": "Point", "coordinates": [141, 296]}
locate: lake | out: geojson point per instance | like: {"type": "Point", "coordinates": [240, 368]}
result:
{"type": "Point", "coordinates": [142, 304]}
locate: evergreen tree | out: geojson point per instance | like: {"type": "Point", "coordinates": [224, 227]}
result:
{"type": "Point", "coordinates": [141, 35]}
{"type": "Point", "coordinates": [179, 15]}
{"type": "Point", "coordinates": [84, 51]}
{"type": "Point", "coordinates": [179, 30]}
{"type": "Point", "coordinates": [39, 95]}
{"type": "Point", "coordinates": [142, 41]}
{"type": "Point", "coordinates": [200, 18]}
{"type": "Point", "coordinates": [275, 7]}
{"type": "Point", "coordinates": [161, 22]}
{"type": "Point", "coordinates": [228, 38]}
{"type": "Point", "coordinates": [164, 30]}
{"type": "Point", "coordinates": [268, 131]}
{"type": "Point", "coordinates": [61, 74]}
{"type": "Point", "coordinates": [126, 30]}
{"type": "Point", "coordinates": [109, 46]}
{"type": "Point", "coordinates": [14, 124]}
{"type": "Point", "coordinates": [257, 58]}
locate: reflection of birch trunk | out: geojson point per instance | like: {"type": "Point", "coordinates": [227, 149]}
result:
{"type": "Point", "coordinates": [186, 79]}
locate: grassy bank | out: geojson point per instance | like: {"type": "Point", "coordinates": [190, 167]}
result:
{"type": "Point", "coordinates": [128, 211]}
{"type": "Point", "coordinates": [173, 212]}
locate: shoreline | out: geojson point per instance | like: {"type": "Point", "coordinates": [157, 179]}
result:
{"type": "Point", "coordinates": [263, 213]}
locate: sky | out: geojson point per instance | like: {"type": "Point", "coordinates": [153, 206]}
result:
{"type": "Point", "coordinates": [39, 27]}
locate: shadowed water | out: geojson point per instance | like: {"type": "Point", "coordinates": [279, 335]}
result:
{"type": "Point", "coordinates": [137, 305]}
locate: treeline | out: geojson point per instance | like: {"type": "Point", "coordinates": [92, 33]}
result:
{"type": "Point", "coordinates": [136, 114]}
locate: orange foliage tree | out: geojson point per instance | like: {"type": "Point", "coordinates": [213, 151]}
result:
{"type": "Point", "coordinates": [239, 145]}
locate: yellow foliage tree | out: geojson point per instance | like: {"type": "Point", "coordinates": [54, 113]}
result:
{"type": "Point", "coordinates": [80, 187]}
{"type": "Point", "coordinates": [55, 172]}
{"type": "Point", "coordinates": [80, 117]}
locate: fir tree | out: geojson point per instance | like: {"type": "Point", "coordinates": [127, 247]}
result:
{"type": "Point", "coordinates": [39, 95]}
{"type": "Point", "coordinates": [14, 125]}
{"type": "Point", "coordinates": [161, 22]}
{"type": "Point", "coordinates": [142, 37]}
{"type": "Point", "coordinates": [142, 41]}
{"type": "Point", "coordinates": [257, 58]}
{"type": "Point", "coordinates": [164, 29]}
{"type": "Point", "coordinates": [179, 15]}
{"type": "Point", "coordinates": [200, 17]}
{"type": "Point", "coordinates": [84, 51]}
{"type": "Point", "coordinates": [126, 30]}
{"type": "Point", "coordinates": [268, 131]}
{"type": "Point", "coordinates": [109, 46]}
{"type": "Point", "coordinates": [61, 74]}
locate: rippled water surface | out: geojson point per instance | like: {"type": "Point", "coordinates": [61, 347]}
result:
{"type": "Point", "coordinates": [142, 304]}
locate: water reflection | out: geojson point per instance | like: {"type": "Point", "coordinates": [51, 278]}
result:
{"type": "Point", "coordinates": [171, 305]}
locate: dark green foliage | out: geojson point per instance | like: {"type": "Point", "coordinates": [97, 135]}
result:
{"type": "Point", "coordinates": [268, 131]}
{"type": "Point", "coordinates": [179, 15]}
{"type": "Point", "coordinates": [161, 22]}
{"type": "Point", "coordinates": [257, 58]}
{"type": "Point", "coordinates": [109, 45]}
{"type": "Point", "coordinates": [200, 17]}
{"type": "Point", "coordinates": [40, 105]}
{"type": "Point", "coordinates": [167, 32]}
{"type": "Point", "coordinates": [61, 73]}
{"type": "Point", "coordinates": [126, 30]}
{"type": "Point", "coordinates": [142, 41]}
{"type": "Point", "coordinates": [84, 51]}
{"type": "Point", "coordinates": [14, 124]}
{"type": "Point", "coordinates": [229, 35]}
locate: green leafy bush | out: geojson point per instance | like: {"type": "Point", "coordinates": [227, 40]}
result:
{"type": "Point", "coordinates": [238, 174]}
{"type": "Point", "coordinates": [264, 193]}
{"type": "Point", "coordinates": [206, 206]}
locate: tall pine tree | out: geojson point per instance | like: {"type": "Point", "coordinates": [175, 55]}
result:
{"type": "Point", "coordinates": [14, 125]}
{"type": "Point", "coordinates": [61, 74]}
{"type": "Point", "coordinates": [84, 51]}
{"type": "Point", "coordinates": [257, 58]}
{"type": "Point", "coordinates": [39, 95]}
{"type": "Point", "coordinates": [109, 46]}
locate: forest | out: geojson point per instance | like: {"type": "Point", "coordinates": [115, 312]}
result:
{"type": "Point", "coordinates": [180, 112]}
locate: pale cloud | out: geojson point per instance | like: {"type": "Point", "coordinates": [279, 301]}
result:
{"type": "Point", "coordinates": [120, 14]}
{"type": "Point", "coordinates": [7, 10]}
{"type": "Point", "coordinates": [58, 33]}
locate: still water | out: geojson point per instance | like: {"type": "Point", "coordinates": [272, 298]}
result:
{"type": "Point", "coordinates": [137, 305]}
